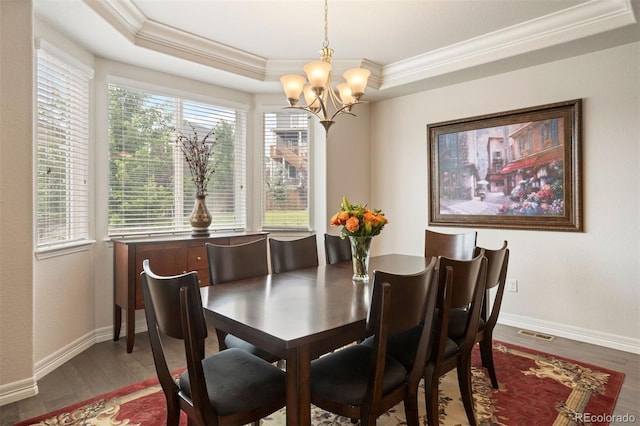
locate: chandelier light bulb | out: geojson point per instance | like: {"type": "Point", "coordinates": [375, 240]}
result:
{"type": "Point", "coordinates": [345, 94]}
{"type": "Point", "coordinates": [292, 85]}
{"type": "Point", "coordinates": [357, 80]}
{"type": "Point", "coordinates": [311, 98]}
{"type": "Point", "coordinates": [317, 73]}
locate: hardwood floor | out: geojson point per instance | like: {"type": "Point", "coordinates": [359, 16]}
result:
{"type": "Point", "coordinates": [106, 366]}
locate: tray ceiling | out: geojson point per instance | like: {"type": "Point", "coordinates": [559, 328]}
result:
{"type": "Point", "coordinates": [408, 45]}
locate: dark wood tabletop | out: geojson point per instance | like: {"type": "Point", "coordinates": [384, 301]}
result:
{"type": "Point", "coordinates": [300, 315]}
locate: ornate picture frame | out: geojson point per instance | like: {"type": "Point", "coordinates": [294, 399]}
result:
{"type": "Point", "coordinates": [518, 169]}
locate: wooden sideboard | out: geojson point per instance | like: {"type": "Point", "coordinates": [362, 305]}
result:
{"type": "Point", "coordinates": [167, 256]}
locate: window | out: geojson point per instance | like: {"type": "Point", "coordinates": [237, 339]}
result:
{"type": "Point", "coordinates": [285, 188]}
{"type": "Point", "coordinates": [62, 139]}
{"type": "Point", "coordinates": [150, 187]}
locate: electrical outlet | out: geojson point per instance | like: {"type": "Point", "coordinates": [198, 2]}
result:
{"type": "Point", "coordinates": [512, 285]}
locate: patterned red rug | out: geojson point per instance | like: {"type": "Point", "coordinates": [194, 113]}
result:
{"type": "Point", "coordinates": [535, 389]}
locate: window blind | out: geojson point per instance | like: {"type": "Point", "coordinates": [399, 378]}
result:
{"type": "Point", "coordinates": [62, 139]}
{"type": "Point", "coordinates": [286, 171]}
{"type": "Point", "coordinates": [150, 185]}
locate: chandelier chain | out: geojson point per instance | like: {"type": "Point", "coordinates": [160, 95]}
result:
{"type": "Point", "coordinates": [326, 24]}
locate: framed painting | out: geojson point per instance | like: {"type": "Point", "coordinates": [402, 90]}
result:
{"type": "Point", "coordinates": [517, 169]}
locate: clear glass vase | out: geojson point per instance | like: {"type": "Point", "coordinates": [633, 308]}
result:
{"type": "Point", "coordinates": [200, 217]}
{"type": "Point", "coordinates": [360, 247]}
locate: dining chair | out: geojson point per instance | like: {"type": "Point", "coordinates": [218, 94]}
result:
{"type": "Point", "coordinates": [460, 288]}
{"type": "Point", "coordinates": [288, 255]}
{"type": "Point", "coordinates": [497, 264]}
{"type": "Point", "coordinates": [463, 282]}
{"type": "Point", "coordinates": [235, 262]}
{"type": "Point", "coordinates": [362, 381]}
{"type": "Point", "coordinates": [229, 387]}
{"type": "Point", "coordinates": [453, 246]}
{"type": "Point", "coordinates": [336, 249]}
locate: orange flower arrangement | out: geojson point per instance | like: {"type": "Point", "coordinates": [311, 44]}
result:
{"type": "Point", "coordinates": [358, 220]}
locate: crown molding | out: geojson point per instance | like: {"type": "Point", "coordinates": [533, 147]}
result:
{"type": "Point", "coordinates": [182, 44]}
{"type": "Point", "coordinates": [122, 15]}
{"type": "Point", "coordinates": [127, 19]}
{"type": "Point", "coordinates": [585, 19]}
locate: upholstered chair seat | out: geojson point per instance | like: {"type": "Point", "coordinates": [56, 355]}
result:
{"type": "Point", "coordinates": [253, 383]}
{"type": "Point", "coordinates": [345, 377]}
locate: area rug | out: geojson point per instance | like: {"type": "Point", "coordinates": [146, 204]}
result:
{"type": "Point", "coordinates": [535, 389]}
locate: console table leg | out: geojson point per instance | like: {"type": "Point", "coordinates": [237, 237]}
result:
{"type": "Point", "coordinates": [117, 322]}
{"type": "Point", "coordinates": [131, 326]}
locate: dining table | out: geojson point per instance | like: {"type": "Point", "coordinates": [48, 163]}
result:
{"type": "Point", "coordinates": [300, 315]}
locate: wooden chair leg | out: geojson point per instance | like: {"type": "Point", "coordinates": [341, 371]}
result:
{"type": "Point", "coordinates": [411, 410]}
{"type": "Point", "coordinates": [173, 418]}
{"type": "Point", "coordinates": [486, 353]}
{"type": "Point", "coordinates": [464, 382]}
{"type": "Point", "coordinates": [431, 398]}
{"type": "Point", "coordinates": [221, 335]}
{"type": "Point", "coordinates": [173, 411]}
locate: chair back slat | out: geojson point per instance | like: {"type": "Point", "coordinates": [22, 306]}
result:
{"type": "Point", "coordinates": [163, 294]}
{"type": "Point", "coordinates": [454, 246]}
{"type": "Point", "coordinates": [497, 265]}
{"type": "Point", "coordinates": [403, 313]}
{"type": "Point", "coordinates": [190, 309]}
{"type": "Point", "coordinates": [237, 262]}
{"type": "Point", "coordinates": [336, 249]}
{"type": "Point", "coordinates": [289, 255]}
{"type": "Point", "coordinates": [465, 277]}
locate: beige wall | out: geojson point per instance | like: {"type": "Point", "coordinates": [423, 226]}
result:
{"type": "Point", "coordinates": [348, 163]}
{"type": "Point", "coordinates": [585, 286]}
{"type": "Point", "coordinates": [16, 199]}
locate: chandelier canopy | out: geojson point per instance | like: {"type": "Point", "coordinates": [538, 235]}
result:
{"type": "Point", "coordinates": [322, 100]}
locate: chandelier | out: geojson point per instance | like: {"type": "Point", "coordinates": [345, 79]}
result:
{"type": "Point", "coordinates": [322, 100]}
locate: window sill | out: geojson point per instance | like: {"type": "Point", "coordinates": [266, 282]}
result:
{"type": "Point", "coordinates": [63, 249]}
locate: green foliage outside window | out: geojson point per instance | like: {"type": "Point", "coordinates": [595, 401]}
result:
{"type": "Point", "coordinates": [150, 185]}
{"type": "Point", "coordinates": [140, 160]}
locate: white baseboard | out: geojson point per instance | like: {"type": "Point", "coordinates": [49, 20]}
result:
{"type": "Point", "coordinates": [64, 354]}
{"type": "Point", "coordinates": [16, 391]}
{"type": "Point", "coordinates": [606, 340]}
{"type": "Point", "coordinates": [26, 388]}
